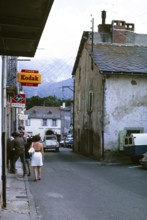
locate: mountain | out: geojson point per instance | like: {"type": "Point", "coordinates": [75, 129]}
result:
{"type": "Point", "coordinates": [62, 89]}
{"type": "Point", "coordinates": [56, 77]}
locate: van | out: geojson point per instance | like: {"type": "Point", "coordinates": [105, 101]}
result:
{"type": "Point", "coordinates": [136, 145]}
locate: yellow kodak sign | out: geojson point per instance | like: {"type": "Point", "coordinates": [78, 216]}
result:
{"type": "Point", "coordinates": [28, 77]}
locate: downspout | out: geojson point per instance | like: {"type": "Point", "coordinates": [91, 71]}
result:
{"type": "Point", "coordinates": [3, 98]}
{"type": "Point", "coordinates": [103, 116]}
{"type": "Point", "coordinates": [74, 115]}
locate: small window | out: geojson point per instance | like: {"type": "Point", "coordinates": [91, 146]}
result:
{"type": "Point", "coordinates": [54, 123]}
{"type": "Point", "coordinates": [79, 74]}
{"type": "Point", "coordinates": [126, 141]}
{"type": "Point", "coordinates": [79, 101]}
{"type": "Point", "coordinates": [44, 122]}
{"type": "Point", "coordinates": [90, 101]}
{"type": "Point", "coordinates": [130, 140]}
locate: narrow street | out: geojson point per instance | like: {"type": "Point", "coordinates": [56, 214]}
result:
{"type": "Point", "coordinates": [74, 187]}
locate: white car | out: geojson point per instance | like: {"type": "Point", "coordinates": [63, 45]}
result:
{"type": "Point", "coordinates": [51, 143]}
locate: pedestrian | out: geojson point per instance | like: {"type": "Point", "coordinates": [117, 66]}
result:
{"type": "Point", "coordinates": [19, 144]}
{"type": "Point", "coordinates": [28, 155]}
{"type": "Point", "coordinates": [10, 152]}
{"type": "Point", "coordinates": [37, 157]}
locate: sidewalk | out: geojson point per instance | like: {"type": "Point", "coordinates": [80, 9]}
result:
{"type": "Point", "coordinates": [19, 200]}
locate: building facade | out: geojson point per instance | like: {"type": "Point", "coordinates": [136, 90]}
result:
{"type": "Point", "coordinates": [43, 118]}
{"type": "Point", "coordinates": [110, 88]}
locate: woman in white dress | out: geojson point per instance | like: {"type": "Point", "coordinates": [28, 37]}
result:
{"type": "Point", "coordinates": [37, 157]}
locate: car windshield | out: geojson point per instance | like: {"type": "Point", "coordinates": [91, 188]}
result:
{"type": "Point", "coordinates": [50, 138]}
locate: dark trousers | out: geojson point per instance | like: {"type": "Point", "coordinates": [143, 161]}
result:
{"type": "Point", "coordinates": [22, 158]}
{"type": "Point", "coordinates": [10, 157]}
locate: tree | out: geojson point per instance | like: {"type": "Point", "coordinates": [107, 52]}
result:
{"type": "Point", "coordinates": [52, 101]}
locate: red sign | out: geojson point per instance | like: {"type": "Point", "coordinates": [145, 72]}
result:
{"type": "Point", "coordinates": [18, 101]}
{"type": "Point", "coordinates": [29, 84]}
{"type": "Point", "coordinates": [29, 71]}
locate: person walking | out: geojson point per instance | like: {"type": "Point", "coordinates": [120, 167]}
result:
{"type": "Point", "coordinates": [37, 157]}
{"type": "Point", "coordinates": [28, 155]}
{"type": "Point", "coordinates": [19, 144]}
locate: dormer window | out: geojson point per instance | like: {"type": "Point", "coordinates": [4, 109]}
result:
{"type": "Point", "coordinates": [34, 111]}
{"type": "Point", "coordinates": [49, 112]}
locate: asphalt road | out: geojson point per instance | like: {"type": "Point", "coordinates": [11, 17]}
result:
{"type": "Point", "coordinates": [74, 187]}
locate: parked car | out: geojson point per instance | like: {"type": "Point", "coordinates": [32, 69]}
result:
{"type": "Point", "coordinates": [51, 143]}
{"type": "Point", "coordinates": [62, 144]}
{"type": "Point", "coordinates": [69, 135]}
{"type": "Point", "coordinates": [69, 142]}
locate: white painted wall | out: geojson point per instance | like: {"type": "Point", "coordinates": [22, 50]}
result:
{"type": "Point", "coordinates": [125, 106]}
{"type": "Point", "coordinates": [37, 128]}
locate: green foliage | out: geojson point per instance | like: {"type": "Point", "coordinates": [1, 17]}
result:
{"type": "Point", "coordinates": [46, 101]}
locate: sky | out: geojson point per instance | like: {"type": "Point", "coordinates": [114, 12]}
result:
{"type": "Point", "coordinates": [69, 18]}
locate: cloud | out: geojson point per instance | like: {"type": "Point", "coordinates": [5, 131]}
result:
{"type": "Point", "coordinates": [67, 21]}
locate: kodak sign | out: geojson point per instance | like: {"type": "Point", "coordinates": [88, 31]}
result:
{"type": "Point", "coordinates": [29, 77]}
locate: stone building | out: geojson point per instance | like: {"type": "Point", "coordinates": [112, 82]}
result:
{"type": "Point", "coordinates": [110, 100]}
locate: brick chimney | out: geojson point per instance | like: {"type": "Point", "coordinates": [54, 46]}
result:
{"type": "Point", "coordinates": [117, 29]}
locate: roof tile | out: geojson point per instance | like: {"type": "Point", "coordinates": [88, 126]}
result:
{"type": "Point", "coordinates": [120, 58]}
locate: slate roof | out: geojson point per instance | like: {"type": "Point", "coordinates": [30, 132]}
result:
{"type": "Point", "coordinates": [120, 58]}
{"type": "Point", "coordinates": [43, 112]}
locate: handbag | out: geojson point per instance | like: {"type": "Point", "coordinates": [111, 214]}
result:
{"type": "Point", "coordinates": [31, 150]}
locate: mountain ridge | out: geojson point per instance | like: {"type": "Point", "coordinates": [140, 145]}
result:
{"type": "Point", "coordinates": [62, 89]}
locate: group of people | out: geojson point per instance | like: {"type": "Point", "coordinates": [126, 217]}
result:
{"type": "Point", "coordinates": [18, 147]}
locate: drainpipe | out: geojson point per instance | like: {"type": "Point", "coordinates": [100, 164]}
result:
{"type": "Point", "coordinates": [73, 113]}
{"type": "Point", "coordinates": [103, 115]}
{"type": "Point", "coordinates": [3, 97]}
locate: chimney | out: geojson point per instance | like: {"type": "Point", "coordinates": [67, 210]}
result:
{"type": "Point", "coordinates": [103, 17]}
{"type": "Point", "coordinates": [116, 32]}
{"type": "Point", "coordinates": [119, 29]}
{"type": "Point", "coordinates": [104, 28]}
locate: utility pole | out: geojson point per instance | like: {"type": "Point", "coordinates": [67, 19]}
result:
{"type": "Point", "coordinates": [92, 33]}
{"type": "Point", "coordinates": [3, 98]}
{"type": "Point", "coordinates": [92, 36]}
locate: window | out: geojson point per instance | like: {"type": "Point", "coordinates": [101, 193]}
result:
{"type": "Point", "coordinates": [54, 123]}
{"type": "Point", "coordinates": [79, 74]}
{"type": "Point", "coordinates": [90, 101]}
{"type": "Point", "coordinates": [44, 122]}
{"type": "Point", "coordinates": [28, 122]}
{"type": "Point", "coordinates": [79, 101]}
